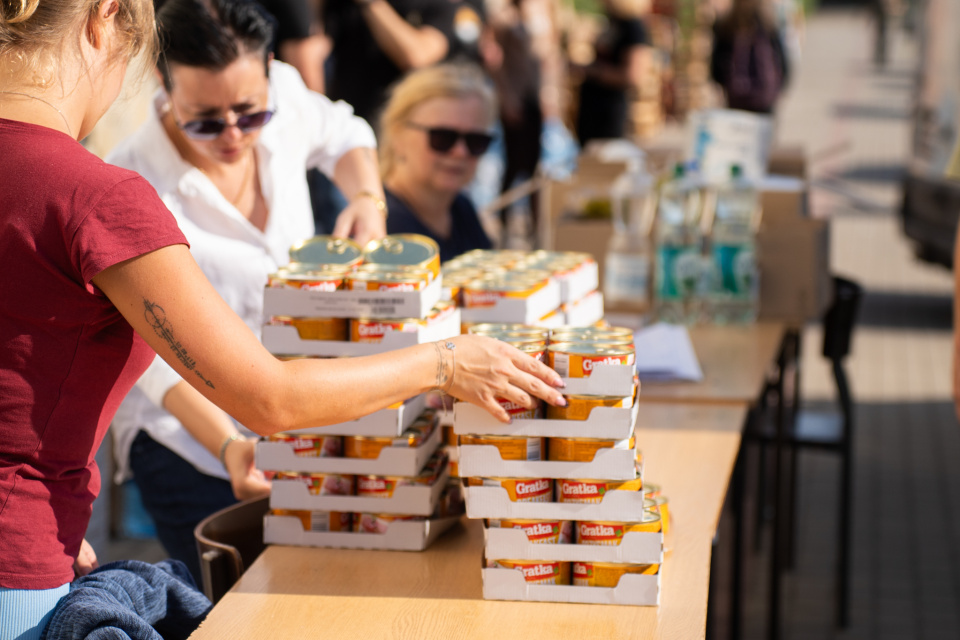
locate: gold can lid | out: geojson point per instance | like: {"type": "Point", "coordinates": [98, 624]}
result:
{"type": "Point", "coordinates": [486, 328]}
{"type": "Point", "coordinates": [326, 250]}
{"type": "Point", "coordinates": [394, 277]}
{"type": "Point", "coordinates": [588, 349]}
{"type": "Point", "coordinates": [402, 249]}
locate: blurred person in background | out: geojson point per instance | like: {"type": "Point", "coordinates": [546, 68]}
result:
{"type": "Point", "coordinates": [226, 145]}
{"type": "Point", "coordinates": [748, 59]}
{"type": "Point", "coordinates": [623, 56]}
{"type": "Point", "coordinates": [433, 130]}
{"type": "Point", "coordinates": [297, 39]}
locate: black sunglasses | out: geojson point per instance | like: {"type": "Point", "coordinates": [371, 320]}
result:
{"type": "Point", "coordinates": [210, 128]}
{"type": "Point", "coordinates": [443, 140]}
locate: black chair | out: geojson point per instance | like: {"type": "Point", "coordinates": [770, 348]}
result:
{"type": "Point", "coordinates": [228, 542]}
{"type": "Point", "coordinates": [831, 431]}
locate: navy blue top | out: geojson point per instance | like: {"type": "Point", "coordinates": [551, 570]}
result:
{"type": "Point", "coordinates": [466, 233]}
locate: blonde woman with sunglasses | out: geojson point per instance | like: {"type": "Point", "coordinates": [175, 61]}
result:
{"type": "Point", "coordinates": [100, 279]}
{"type": "Point", "coordinates": [433, 130]}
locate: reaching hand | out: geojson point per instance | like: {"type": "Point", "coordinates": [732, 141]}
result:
{"type": "Point", "coordinates": [484, 369]}
{"type": "Point", "coordinates": [86, 560]}
{"type": "Point", "coordinates": [247, 481]}
{"type": "Point", "coordinates": [362, 220]}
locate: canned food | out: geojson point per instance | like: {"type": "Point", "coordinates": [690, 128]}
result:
{"type": "Point", "coordinates": [538, 571]}
{"type": "Point", "coordinates": [487, 291]}
{"type": "Point", "coordinates": [449, 436]}
{"type": "Point", "coordinates": [388, 281]}
{"type": "Point", "coordinates": [372, 330]}
{"type": "Point", "coordinates": [650, 490]}
{"type": "Point", "coordinates": [592, 491]}
{"type": "Point", "coordinates": [486, 328]}
{"type": "Point", "coordinates": [583, 449]}
{"type": "Point", "coordinates": [663, 508]}
{"type": "Point", "coordinates": [321, 484]}
{"type": "Point", "coordinates": [451, 500]}
{"type": "Point", "coordinates": [579, 407]}
{"type": "Point", "coordinates": [319, 520]}
{"type": "Point", "coordinates": [577, 360]}
{"type": "Point", "coordinates": [539, 531]}
{"type": "Point", "coordinates": [607, 574]}
{"type": "Point", "coordinates": [315, 328]}
{"type": "Point", "coordinates": [511, 448]}
{"type": "Point", "coordinates": [329, 279]}
{"type": "Point", "coordinates": [585, 334]}
{"type": "Point", "coordinates": [383, 486]}
{"type": "Point", "coordinates": [406, 249]}
{"type": "Point", "coordinates": [520, 412]}
{"type": "Point", "coordinates": [519, 489]}
{"type": "Point", "coordinates": [308, 445]}
{"type": "Point", "coordinates": [379, 522]}
{"type": "Point", "coordinates": [326, 250]}
{"type": "Point", "coordinates": [611, 533]}
{"type": "Point", "coordinates": [370, 447]}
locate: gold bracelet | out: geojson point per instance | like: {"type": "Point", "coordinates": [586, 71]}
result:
{"type": "Point", "coordinates": [380, 203]}
{"type": "Point", "coordinates": [223, 447]}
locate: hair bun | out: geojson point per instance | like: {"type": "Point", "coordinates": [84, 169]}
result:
{"type": "Point", "coordinates": [16, 11]}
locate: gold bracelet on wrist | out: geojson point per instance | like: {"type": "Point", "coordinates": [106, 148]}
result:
{"type": "Point", "coordinates": [379, 202]}
{"type": "Point", "coordinates": [224, 444]}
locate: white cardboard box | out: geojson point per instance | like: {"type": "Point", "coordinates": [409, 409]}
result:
{"type": "Point", "coordinates": [520, 310]}
{"type": "Point", "coordinates": [400, 536]}
{"type": "Point", "coordinates": [351, 304]}
{"type": "Point", "coordinates": [393, 461]}
{"type": "Point", "coordinates": [603, 422]}
{"type": "Point", "coordinates": [493, 502]}
{"type": "Point", "coordinates": [509, 584]}
{"type": "Point", "coordinates": [578, 284]}
{"type": "Point", "coordinates": [484, 461]}
{"type": "Point", "coordinates": [284, 340]}
{"type": "Point", "coordinates": [604, 380]}
{"type": "Point", "coordinates": [584, 311]}
{"type": "Point", "coordinates": [419, 500]}
{"type": "Point", "coordinates": [386, 423]}
{"type": "Point", "coordinates": [637, 547]}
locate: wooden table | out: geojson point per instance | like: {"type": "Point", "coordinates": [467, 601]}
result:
{"type": "Point", "coordinates": [294, 592]}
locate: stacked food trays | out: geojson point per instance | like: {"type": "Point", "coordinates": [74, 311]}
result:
{"type": "Point", "coordinates": [382, 481]}
{"type": "Point", "coordinates": [567, 517]}
{"type": "Point", "coordinates": [544, 288]}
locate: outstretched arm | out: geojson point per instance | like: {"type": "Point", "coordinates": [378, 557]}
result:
{"type": "Point", "coordinates": [407, 46]}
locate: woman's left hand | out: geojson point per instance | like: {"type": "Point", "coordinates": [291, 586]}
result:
{"type": "Point", "coordinates": [362, 220]}
{"type": "Point", "coordinates": [86, 560]}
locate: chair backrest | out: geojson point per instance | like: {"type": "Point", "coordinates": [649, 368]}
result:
{"type": "Point", "coordinates": [228, 541]}
{"type": "Point", "coordinates": [840, 318]}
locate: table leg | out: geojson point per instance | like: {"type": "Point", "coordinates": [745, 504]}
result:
{"type": "Point", "coordinates": [738, 487]}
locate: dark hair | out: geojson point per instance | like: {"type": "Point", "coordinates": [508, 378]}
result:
{"type": "Point", "coordinates": [211, 34]}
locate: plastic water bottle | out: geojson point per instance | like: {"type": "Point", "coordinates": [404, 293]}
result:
{"type": "Point", "coordinates": [734, 291]}
{"type": "Point", "coordinates": [679, 243]}
{"type": "Point", "coordinates": [628, 269]}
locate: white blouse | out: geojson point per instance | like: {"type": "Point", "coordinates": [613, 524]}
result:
{"type": "Point", "coordinates": [307, 131]}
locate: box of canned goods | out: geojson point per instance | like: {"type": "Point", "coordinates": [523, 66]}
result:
{"type": "Point", "coordinates": [417, 495]}
{"type": "Point", "coordinates": [509, 299]}
{"type": "Point", "coordinates": [530, 581]}
{"type": "Point", "coordinates": [616, 462]}
{"type": "Point", "coordinates": [635, 546]}
{"type": "Point", "coordinates": [389, 422]}
{"type": "Point", "coordinates": [379, 531]}
{"type": "Point", "coordinates": [601, 422]}
{"type": "Point", "coordinates": [403, 455]}
{"type": "Point", "coordinates": [365, 336]}
{"type": "Point", "coordinates": [577, 273]}
{"type": "Point", "coordinates": [583, 312]}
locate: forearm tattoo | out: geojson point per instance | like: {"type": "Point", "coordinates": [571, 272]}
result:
{"type": "Point", "coordinates": [157, 318]}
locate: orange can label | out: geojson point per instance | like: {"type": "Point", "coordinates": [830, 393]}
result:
{"type": "Point", "coordinates": [511, 448]}
{"type": "Point", "coordinates": [319, 520]}
{"type": "Point", "coordinates": [540, 531]}
{"type": "Point", "coordinates": [519, 490]}
{"type": "Point", "coordinates": [485, 297]}
{"type": "Point", "coordinates": [579, 407]}
{"type": "Point", "coordinates": [606, 574]}
{"type": "Point", "coordinates": [611, 533]}
{"type": "Point", "coordinates": [311, 446]}
{"type": "Point", "coordinates": [539, 571]}
{"type": "Point", "coordinates": [583, 449]}
{"type": "Point", "coordinates": [581, 365]}
{"type": "Point", "coordinates": [379, 522]}
{"type": "Point", "coordinates": [386, 285]}
{"type": "Point", "coordinates": [592, 491]}
{"type": "Point", "coordinates": [363, 330]}
{"type": "Point", "coordinates": [320, 484]}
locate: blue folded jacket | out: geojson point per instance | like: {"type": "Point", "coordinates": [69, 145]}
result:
{"type": "Point", "coordinates": [130, 600]}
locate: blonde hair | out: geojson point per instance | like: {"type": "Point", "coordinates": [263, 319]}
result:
{"type": "Point", "coordinates": [33, 34]}
{"type": "Point", "coordinates": [440, 81]}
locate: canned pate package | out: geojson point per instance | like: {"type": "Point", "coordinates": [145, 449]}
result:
{"type": "Point", "coordinates": [607, 574]}
{"type": "Point", "coordinates": [379, 522]}
{"type": "Point", "coordinates": [321, 484]}
{"type": "Point", "coordinates": [384, 486]}
{"type": "Point", "coordinates": [538, 571]}
{"type": "Point", "coordinates": [579, 407]}
{"type": "Point", "coordinates": [314, 328]}
{"type": "Point", "coordinates": [319, 520]}
{"type": "Point", "coordinates": [370, 447]}
{"type": "Point", "coordinates": [511, 447]}
{"type": "Point", "coordinates": [388, 281]}
{"type": "Point", "coordinates": [519, 489]}
{"type": "Point", "coordinates": [538, 531]}
{"type": "Point", "coordinates": [583, 449]}
{"type": "Point", "coordinates": [306, 445]}
{"type": "Point", "coordinates": [592, 491]}
{"type": "Point", "coordinates": [611, 533]}
{"type": "Point", "coordinates": [577, 359]}
{"type": "Point", "coordinates": [326, 279]}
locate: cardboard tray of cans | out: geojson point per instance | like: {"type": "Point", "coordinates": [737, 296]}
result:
{"type": "Point", "coordinates": [521, 310]}
{"type": "Point", "coordinates": [604, 380]}
{"type": "Point", "coordinates": [493, 502]}
{"type": "Point", "coordinates": [484, 461]}
{"type": "Point", "coordinates": [393, 461]}
{"type": "Point", "coordinates": [576, 285]}
{"type": "Point", "coordinates": [510, 584]}
{"type": "Point", "coordinates": [281, 339]}
{"type": "Point", "coordinates": [400, 535]}
{"type": "Point", "coordinates": [386, 423]}
{"type": "Point", "coordinates": [603, 422]}
{"type": "Point", "coordinates": [585, 311]}
{"type": "Point", "coordinates": [637, 547]}
{"type": "Point", "coordinates": [279, 301]}
{"type": "Point", "coordinates": [414, 500]}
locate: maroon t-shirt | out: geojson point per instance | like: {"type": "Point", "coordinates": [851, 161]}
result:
{"type": "Point", "coordinates": [67, 356]}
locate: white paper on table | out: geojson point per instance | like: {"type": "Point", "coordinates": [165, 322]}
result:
{"type": "Point", "coordinates": [664, 352]}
